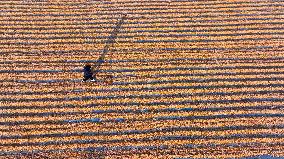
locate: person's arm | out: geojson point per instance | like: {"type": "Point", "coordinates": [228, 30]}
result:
{"type": "Point", "coordinates": [93, 69]}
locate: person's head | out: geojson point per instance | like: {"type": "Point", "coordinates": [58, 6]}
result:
{"type": "Point", "coordinates": [87, 66]}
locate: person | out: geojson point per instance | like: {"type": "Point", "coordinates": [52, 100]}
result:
{"type": "Point", "coordinates": [88, 73]}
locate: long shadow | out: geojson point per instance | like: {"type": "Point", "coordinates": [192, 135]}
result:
{"type": "Point", "coordinates": [148, 139]}
{"type": "Point", "coordinates": [148, 131]}
{"type": "Point", "coordinates": [160, 119]}
{"type": "Point", "coordinates": [109, 43]}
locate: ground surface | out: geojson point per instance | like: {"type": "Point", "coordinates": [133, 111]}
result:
{"type": "Point", "coordinates": [190, 79]}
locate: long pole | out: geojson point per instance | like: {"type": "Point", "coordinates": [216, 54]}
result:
{"type": "Point", "coordinates": [109, 43]}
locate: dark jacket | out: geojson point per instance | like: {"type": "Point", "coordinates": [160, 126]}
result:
{"type": "Point", "coordinates": [88, 71]}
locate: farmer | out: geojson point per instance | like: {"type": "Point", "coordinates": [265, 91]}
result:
{"type": "Point", "coordinates": [88, 73]}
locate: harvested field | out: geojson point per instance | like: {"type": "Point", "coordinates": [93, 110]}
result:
{"type": "Point", "coordinates": [199, 79]}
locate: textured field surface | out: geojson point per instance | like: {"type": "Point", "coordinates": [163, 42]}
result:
{"type": "Point", "coordinates": [201, 79]}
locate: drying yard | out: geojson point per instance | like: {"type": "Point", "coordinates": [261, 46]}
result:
{"type": "Point", "coordinates": [191, 78]}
